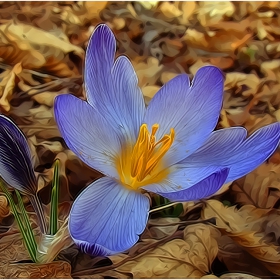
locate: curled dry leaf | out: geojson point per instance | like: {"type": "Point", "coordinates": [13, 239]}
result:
{"type": "Point", "coordinates": [93, 9]}
{"type": "Point", "coordinates": [188, 258]}
{"type": "Point", "coordinates": [237, 80]}
{"type": "Point", "coordinates": [245, 227]}
{"type": "Point", "coordinates": [148, 77]}
{"type": "Point", "coordinates": [213, 12]}
{"type": "Point", "coordinates": [161, 227]}
{"type": "Point", "coordinates": [236, 258]}
{"type": "Point", "coordinates": [188, 8]}
{"type": "Point", "coordinates": [4, 208]}
{"type": "Point", "coordinates": [35, 49]}
{"type": "Point", "coordinates": [7, 85]}
{"type": "Point", "coordinates": [10, 84]}
{"type": "Point", "coordinates": [217, 41]}
{"type": "Point", "coordinates": [169, 10]}
{"type": "Point", "coordinates": [260, 188]}
{"type": "Point", "coordinates": [148, 4]}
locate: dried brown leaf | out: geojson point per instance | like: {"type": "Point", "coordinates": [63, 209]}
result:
{"type": "Point", "coordinates": [188, 258]}
{"type": "Point", "coordinates": [35, 48]}
{"type": "Point", "coordinates": [188, 9]}
{"type": "Point", "coordinates": [245, 227]}
{"type": "Point", "coordinates": [7, 86]}
{"type": "Point", "coordinates": [160, 227]}
{"type": "Point", "coordinates": [260, 188]}
{"type": "Point", "coordinates": [148, 72]}
{"type": "Point", "coordinates": [237, 276]}
{"type": "Point", "coordinates": [53, 270]}
{"type": "Point", "coordinates": [4, 207]}
{"type": "Point", "coordinates": [12, 249]}
{"type": "Point", "coordinates": [212, 12]}
{"type": "Point", "coordinates": [238, 259]}
{"type": "Point", "coordinates": [169, 10]}
{"type": "Point", "coordinates": [236, 79]}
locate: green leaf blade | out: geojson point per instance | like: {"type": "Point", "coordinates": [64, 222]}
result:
{"type": "Point", "coordinates": [54, 200]}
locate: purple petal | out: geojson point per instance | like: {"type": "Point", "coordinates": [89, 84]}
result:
{"type": "Point", "coordinates": [15, 158]}
{"type": "Point", "coordinates": [87, 133]}
{"type": "Point", "coordinates": [193, 111]}
{"type": "Point", "coordinates": [182, 177]}
{"type": "Point", "coordinates": [99, 62]}
{"type": "Point", "coordinates": [253, 152]}
{"type": "Point", "coordinates": [227, 148]}
{"type": "Point", "coordinates": [128, 98]}
{"type": "Point", "coordinates": [107, 218]}
{"type": "Point", "coordinates": [201, 190]}
{"type": "Point", "coordinates": [219, 146]}
{"type": "Point", "coordinates": [112, 88]}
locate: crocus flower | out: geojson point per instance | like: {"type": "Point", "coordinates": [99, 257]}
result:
{"type": "Point", "coordinates": [15, 164]}
{"type": "Point", "coordinates": [168, 148]}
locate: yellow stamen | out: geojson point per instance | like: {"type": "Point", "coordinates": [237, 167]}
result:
{"type": "Point", "coordinates": [145, 157]}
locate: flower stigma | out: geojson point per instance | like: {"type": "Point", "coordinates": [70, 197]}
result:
{"type": "Point", "coordinates": [142, 164]}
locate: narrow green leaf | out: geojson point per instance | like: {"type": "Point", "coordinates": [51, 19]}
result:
{"type": "Point", "coordinates": [28, 242]}
{"type": "Point", "coordinates": [54, 200]}
{"type": "Point", "coordinates": [28, 228]}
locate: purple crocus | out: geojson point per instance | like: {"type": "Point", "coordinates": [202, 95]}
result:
{"type": "Point", "coordinates": [16, 166]}
{"type": "Point", "coordinates": [168, 148]}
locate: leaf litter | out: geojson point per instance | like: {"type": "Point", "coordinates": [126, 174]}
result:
{"type": "Point", "coordinates": [235, 234]}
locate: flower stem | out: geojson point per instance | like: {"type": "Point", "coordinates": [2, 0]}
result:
{"type": "Point", "coordinates": [39, 212]}
{"type": "Point", "coordinates": [163, 207]}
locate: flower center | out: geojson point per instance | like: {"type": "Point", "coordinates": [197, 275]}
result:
{"type": "Point", "coordinates": [139, 168]}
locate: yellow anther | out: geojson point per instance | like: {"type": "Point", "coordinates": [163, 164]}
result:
{"type": "Point", "coordinates": [141, 163]}
{"type": "Point", "coordinates": [136, 167]}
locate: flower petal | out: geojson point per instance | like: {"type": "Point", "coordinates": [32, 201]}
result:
{"type": "Point", "coordinates": [107, 218]}
{"type": "Point", "coordinates": [218, 147]}
{"type": "Point", "coordinates": [87, 133]}
{"type": "Point", "coordinates": [99, 62]}
{"type": "Point", "coordinates": [241, 156]}
{"type": "Point", "coordinates": [182, 177]}
{"type": "Point", "coordinates": [129, 100]}
{"type": "Point", "coordinates": [112, 88]}
{"type": "Point", "coordinates": [15, 158]}
{"type": "Point", "coordinates": [192, 112]}
{"type": "Point", "coordinates": [202, 189]}
{"type": "Point", "coordinates": [253, 152]}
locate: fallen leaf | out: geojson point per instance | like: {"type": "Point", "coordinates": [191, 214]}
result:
{"type": "Point", "coordinates": [148, 77]}
{"type": "Point", "coordinates": [35, 49]}
{"type": "Point", "coordinates": [244, 227]}
{"type": "Point", "coordinates": [169, 10]}
{"type": "Point", "coordinates": [188, 258]}
{"type": "Point", "coordinates": [260, 188]}
{"type": "Point", "coordinates": [149, 4]}
{"type": "Point", "coordinates": [237, 276]}
{"type": "Point", "coordinates": [4, 207]}
{"type": "Point", "coordinates": [57, 270]}
{"type": "Point", "coordinates": [188, 9]}
{"type": "Point", "coordinates": [212, 12]}
{"type": "Point", "coordinates": [7, 86]}
{"type": "Point", "coordinates": [161, 227]}
{"type": "Point", "coordinates": [236, 258]}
